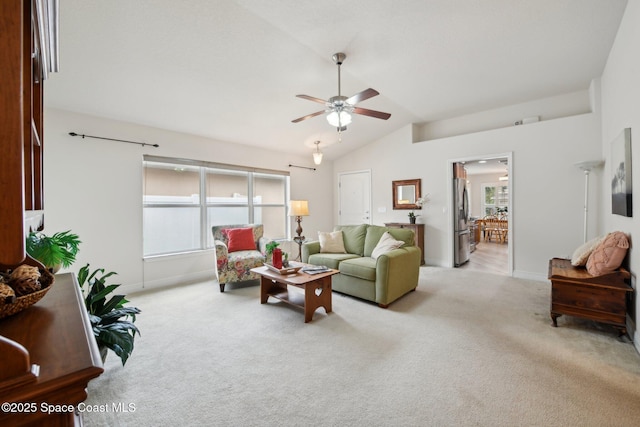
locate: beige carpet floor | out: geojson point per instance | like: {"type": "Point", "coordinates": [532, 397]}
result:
{"type": "Point", "coordinates": [465, 349]}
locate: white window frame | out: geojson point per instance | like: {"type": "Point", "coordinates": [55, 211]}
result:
{"type": "Point", "coordinates": [204, 204]}
{"type": "Point", "coordinates": [494, 206]}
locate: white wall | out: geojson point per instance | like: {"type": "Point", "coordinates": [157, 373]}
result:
{"type": "Point", "coordinates": [94, 188]}
{"type": "Point", "coordinates": [620, 88]}
{"type": "Point", "coordinates": [547, 189]}
{"type": "Point", "coordinates": [564, 105]}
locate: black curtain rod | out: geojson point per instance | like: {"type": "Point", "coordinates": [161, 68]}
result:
{"type": "Point", "coordinates": [301, 167]}
{"type": "Point", "coordinates": [113, 139]}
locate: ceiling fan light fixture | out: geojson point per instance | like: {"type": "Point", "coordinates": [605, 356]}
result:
{"type": "Point", "coordinates": [339, 118]}
{"type": "Point", "coordinates": [317, 156]}
{"type": "Point", "coordinates": [339, 108]}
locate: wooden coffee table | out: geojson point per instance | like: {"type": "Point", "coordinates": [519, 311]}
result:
{"type": "Point", "coordinates": [317, 289]}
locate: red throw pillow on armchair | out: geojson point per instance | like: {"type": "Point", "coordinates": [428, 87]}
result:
{"type": "Point", "coordinates": [240, 239]}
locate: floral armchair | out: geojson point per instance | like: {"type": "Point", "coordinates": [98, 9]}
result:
{"type": "Point", "coordinates": [237, 253]}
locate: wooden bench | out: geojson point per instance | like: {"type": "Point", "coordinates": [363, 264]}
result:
{"type": "Point", "coordinates": [575, 292]}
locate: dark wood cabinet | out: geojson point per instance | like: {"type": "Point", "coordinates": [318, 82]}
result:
{"type": "Point", "coordinates": [23, 67]}
{"type": "Point", "coordinates": [418, 230]}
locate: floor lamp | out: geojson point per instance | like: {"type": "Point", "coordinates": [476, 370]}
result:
{"type": "Point", "coordinates": [299, 208]}
{"type": "Point", "coordinates": [587, 167]}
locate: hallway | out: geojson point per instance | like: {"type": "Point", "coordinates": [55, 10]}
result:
{"type": "Point", "coordinates": [490, 257]}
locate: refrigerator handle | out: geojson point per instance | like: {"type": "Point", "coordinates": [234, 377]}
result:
{"type": "Point", "coordinates": [465, 204]}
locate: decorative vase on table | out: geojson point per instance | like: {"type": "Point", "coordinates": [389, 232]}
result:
{"type": "Point", "coordinates": [277, 258]}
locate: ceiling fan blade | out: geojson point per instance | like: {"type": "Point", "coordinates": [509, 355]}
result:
{"type": "Point", "coordinates": [314, 99]}
{"type": "Point", "coordinates": [371, 113]}
{"type": "Point", "coordinates": [308, 116]}
{"type": "Point", "coordinates": [365, 94]}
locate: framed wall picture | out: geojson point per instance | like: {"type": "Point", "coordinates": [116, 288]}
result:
{"type": "Point", "coordinates": [406, 193]}
{"type": "Point", "coordinates": [621, 194]}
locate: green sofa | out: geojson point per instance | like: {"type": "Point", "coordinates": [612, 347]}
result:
{"type": "Point", "coordinates": [382, 281]}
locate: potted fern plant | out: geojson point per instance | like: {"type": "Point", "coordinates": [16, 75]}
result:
{"type": "Point", "coordinates": [269, 248]}
{"type": "Point", "coordinates": [55, 251]}
{"type": "Point", "coordinates": [112, 322]}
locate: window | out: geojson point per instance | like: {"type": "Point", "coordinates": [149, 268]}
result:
{"type": "Point", "coordinates": [182, 200]}
{"type": "Point", "coordinates": [495, 198]}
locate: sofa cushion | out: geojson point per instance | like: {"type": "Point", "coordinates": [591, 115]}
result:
{"type": "Point", "coordinates": [240, 239]}
{"type": "Point", "coordinates": [375, 232]}
{"type": "Point", "coordinates": [387, 243]}
{"type": "Point", "coordinates": [354, 236]}
{"type": "Point", "coordinates": [331, 242]}
{"type": "Point", "coordinates": [581, 254]}
{"type": "Point", "coordinates": [362, 268]}
{"type": "Point", "coordinates": [609, 254]}
{"type": "Point", "coordinates": [329, 260]}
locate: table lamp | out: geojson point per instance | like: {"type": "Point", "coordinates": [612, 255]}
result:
{"type": "Point", "coordinates": [299, 208]}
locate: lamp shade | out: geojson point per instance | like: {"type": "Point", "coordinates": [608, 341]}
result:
{"type": "Point", "coordinates": [298, 208]}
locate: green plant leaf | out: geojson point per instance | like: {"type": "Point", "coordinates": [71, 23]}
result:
{"type": "Point", "coordinates": [59, 249]}
{"type": "Point", "coordinates": [115, 302]}
{"type": "Point", "coordinates": [118, 340]}
{"type": "Point", "coordinates": [112, 322]}
{"type": "Point", "coordinates": [269, 247]}
{"type": "Point", "coordinates": [115, 315]}
{"type": "Point", "coordinates": [82, 276]}
{"type": "Point", "coordinates": [101, 292]}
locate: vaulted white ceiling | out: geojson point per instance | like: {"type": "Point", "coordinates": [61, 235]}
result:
{"type": "Point", "coordinates": [230, 69]}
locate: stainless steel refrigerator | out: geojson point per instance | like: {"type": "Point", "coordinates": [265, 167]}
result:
{"type": "Point", "coordinates": [462, 234]}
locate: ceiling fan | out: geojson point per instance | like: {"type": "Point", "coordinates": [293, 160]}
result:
{"type": "Point", "coordinates": [339, 108]}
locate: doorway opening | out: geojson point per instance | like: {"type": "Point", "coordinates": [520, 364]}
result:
{"type": "Point", "coordinates": [489, 189]}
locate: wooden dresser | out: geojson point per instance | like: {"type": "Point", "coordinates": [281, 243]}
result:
{"type": "Point", "coordinates": [48, 352]}
{"type": "Point", "coordinates": [575, 292]}
{"type": "Point", "coordinates": [58, 339]}
{"type": "Point", "coordinates": [418, 230]}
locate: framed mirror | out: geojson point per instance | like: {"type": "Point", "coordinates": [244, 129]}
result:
{"type": "Point", "coordinates": [405, 193]}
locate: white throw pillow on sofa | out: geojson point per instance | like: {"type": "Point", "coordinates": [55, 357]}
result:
{"type": "Point", "coordinates": [332, 242]}
{"type": "Point", "coordinates": [386, 244]}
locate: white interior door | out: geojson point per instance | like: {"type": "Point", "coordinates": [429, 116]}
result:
{"type": "Point", "coordinates": [355, 197]}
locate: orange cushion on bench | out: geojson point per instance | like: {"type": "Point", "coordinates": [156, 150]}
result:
{"type": "Point", "coordinates": [609, 254]}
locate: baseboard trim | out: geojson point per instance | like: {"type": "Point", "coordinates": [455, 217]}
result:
{"type": "Point", "coordinates": [183, 279]}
